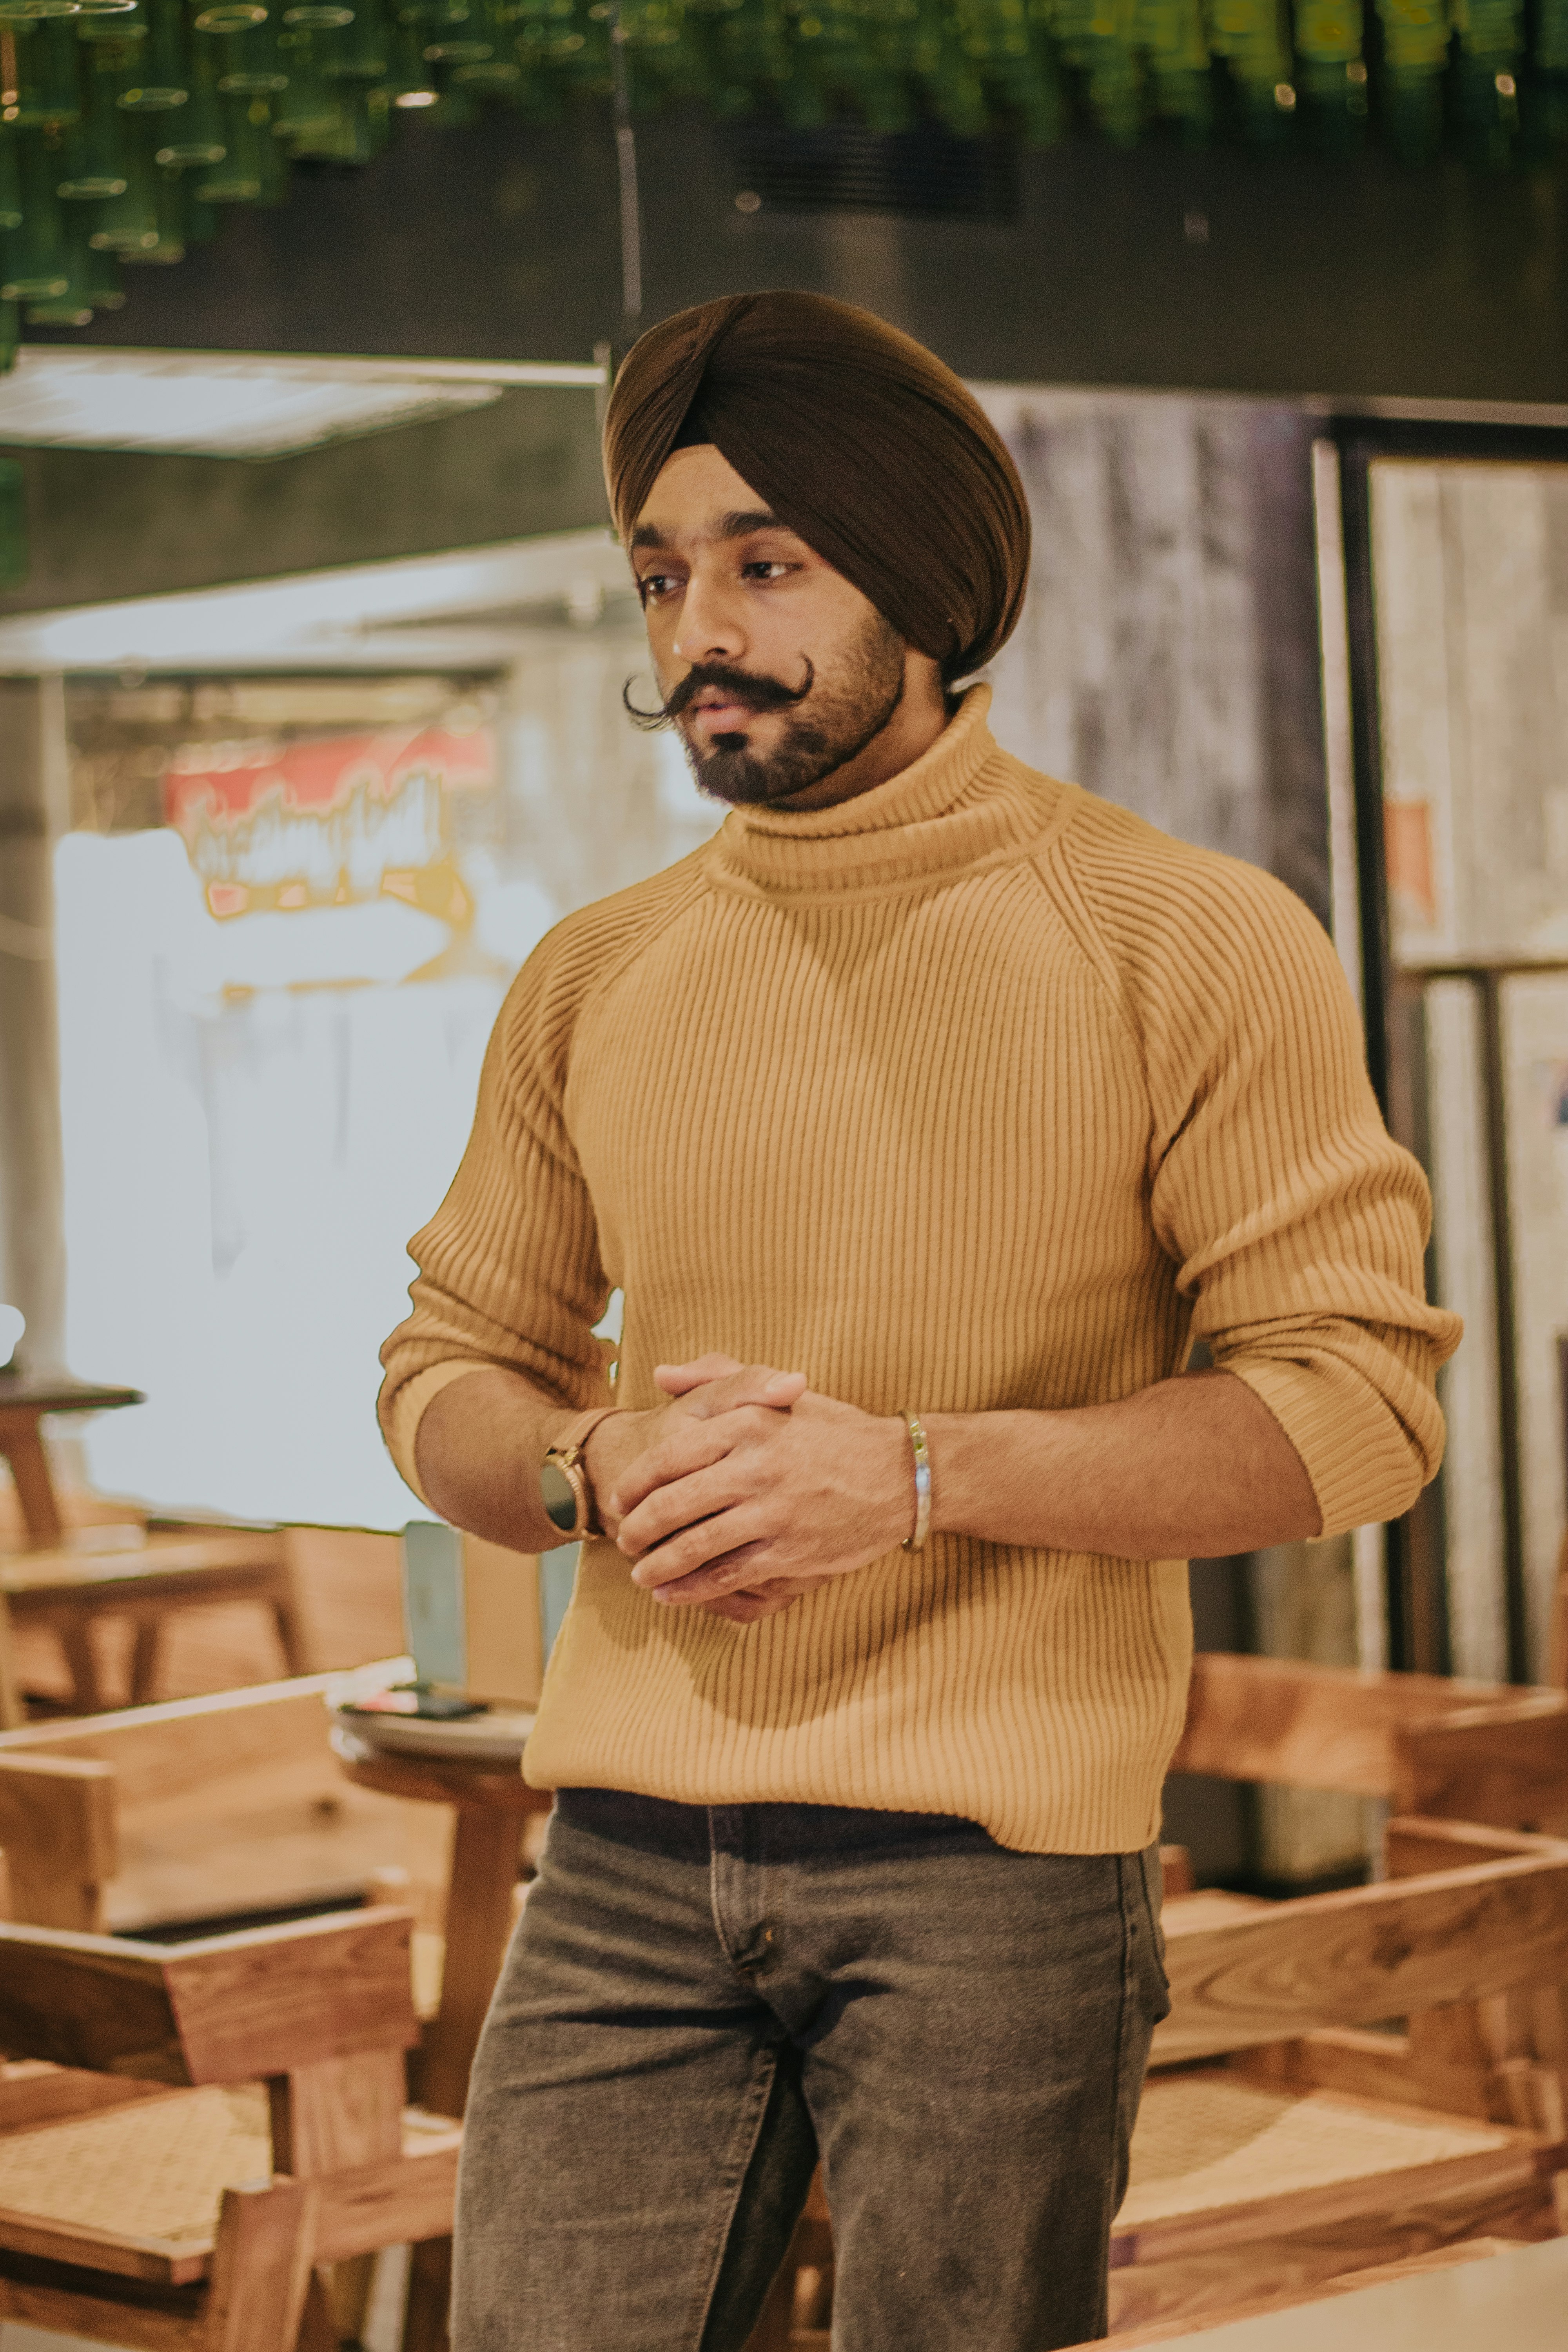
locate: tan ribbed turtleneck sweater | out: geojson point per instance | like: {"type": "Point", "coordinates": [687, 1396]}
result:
{"type": "Point", "coordinates": [973, 1093]}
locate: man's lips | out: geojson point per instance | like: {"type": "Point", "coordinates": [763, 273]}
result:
{"type": "Point", "coordinates": [720, 713]}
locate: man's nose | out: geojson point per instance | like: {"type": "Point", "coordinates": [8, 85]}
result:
{"type": "Point", "coordinates": [712, 627]}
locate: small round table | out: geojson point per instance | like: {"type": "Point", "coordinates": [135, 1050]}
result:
{"type": "Point", "coordinates": [492, 1800]}
{"type": "Point", "coordinates": [25, 1400]}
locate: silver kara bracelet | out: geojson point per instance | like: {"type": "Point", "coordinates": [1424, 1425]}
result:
{"type": "Point", "coordinates": [916, 1541]}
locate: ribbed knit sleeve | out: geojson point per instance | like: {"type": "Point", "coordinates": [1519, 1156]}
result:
{"type": "Point", "coordinates": [1297, 1224]}
{"type": "Point", "coordinates": [509, 1273]}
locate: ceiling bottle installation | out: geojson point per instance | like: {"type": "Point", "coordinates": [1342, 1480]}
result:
{"type": "Point", "coordinates": [127, 126]}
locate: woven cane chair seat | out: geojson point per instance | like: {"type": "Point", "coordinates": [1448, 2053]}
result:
{"type": "Point", "coordinates": [1204, 2142]}
{"type": "Point", "coordinates": [150, 2173]}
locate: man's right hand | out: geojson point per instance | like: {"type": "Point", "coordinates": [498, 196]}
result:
{"type": "Point", "coordinates": [622, 1438]}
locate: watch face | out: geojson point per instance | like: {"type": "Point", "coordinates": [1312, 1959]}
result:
{"type": "Point", "coordinates": [559, 1497]}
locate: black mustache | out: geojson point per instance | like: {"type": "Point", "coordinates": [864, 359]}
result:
{"type": "Point", "coordinates": [739, 685]}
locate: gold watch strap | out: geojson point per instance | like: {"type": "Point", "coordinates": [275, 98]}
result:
{"type": "Point", "coordinates": [566, 1459]}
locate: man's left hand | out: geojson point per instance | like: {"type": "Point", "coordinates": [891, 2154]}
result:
{"type": "Point", "coordinates": [798, 1496]}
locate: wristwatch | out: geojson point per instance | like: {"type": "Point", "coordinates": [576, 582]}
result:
{"type": "Point", "coordinates": [563, 1485]}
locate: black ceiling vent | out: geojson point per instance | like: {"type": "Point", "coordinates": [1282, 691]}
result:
{"type": "Point", "coordinates": [926, 173]}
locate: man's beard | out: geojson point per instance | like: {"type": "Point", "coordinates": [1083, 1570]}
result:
{"type": "Point", "coordinates": [848, 714]}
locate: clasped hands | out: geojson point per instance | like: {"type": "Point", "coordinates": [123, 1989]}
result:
{"type": "Point", "coordinates": [748, 1489]}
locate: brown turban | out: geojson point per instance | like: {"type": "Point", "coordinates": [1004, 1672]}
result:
{"type": "Point", "coordinates": [857, 437]}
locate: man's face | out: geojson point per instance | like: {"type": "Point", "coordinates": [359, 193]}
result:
{"type": "Point", "coordinates": [776, 671]}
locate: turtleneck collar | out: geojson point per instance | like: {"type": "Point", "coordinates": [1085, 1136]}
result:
{"type": "Point", "coordinates": [965, 802]}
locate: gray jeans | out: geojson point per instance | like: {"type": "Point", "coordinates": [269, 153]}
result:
{"type": "Point", "coordinates": [699, 2001]}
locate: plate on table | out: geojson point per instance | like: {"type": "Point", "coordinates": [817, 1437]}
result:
{"type": "Point", "coordinates": [495, 1737]}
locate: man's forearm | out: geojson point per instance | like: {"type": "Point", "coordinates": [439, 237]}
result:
{"type": "Point", "coordinates": [477, 1450]}
{"type": "Point", "coordinates": [1192, 1468]}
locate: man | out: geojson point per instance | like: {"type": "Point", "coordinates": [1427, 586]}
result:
{"type": "Point", "coordinates": [925, 1118]}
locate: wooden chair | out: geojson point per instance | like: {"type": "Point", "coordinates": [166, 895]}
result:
{"type": "Point", "coordinates": [1289, 2159]}
{"type": "Point", "coordinates": [1382, 2144]}
{"type": "Point", "coordinates": [230, 2117]}
{"type": "Point", "coordinates": [206, 1809]}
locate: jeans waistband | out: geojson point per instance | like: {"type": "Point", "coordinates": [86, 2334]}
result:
{"type": "Point", "coordinates": [660, 1825]}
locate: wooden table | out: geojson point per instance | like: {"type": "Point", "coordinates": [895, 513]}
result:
{"type": "Point", "coordinates": [24, 1399]}
{"type": "Point", "coordinates": [492, 1800]}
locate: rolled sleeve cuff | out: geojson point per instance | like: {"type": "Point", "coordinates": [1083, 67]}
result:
{"type": "Point", "coordinates": [1363, 1464]}
{"type": "Point", "coordinates": [400, 1423]}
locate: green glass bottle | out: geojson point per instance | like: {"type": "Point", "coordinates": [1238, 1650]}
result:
{"type": "Point", "coordinates": [33, 262]}
{"type": "Point", "coordinates": [195, 134]}
{"type": "Point", "coordinates": [248, 62]}
{"type": "Point", "coordinates": [408, 82]}
{"type": "Point", "coordinates": [161, 75]}
{"type": "Point", "coordinates": [357, 51]}
{"type": "Point", "coordinates": [125, 23]}
{"type": "Point", "coordinates": [13, 484]}
{"type": "Point", "coordinates": [255, 168]}
{"type": "Point", "coordinates": [357, 136]}
{"type": "Point", "coordinates": [10, 179]}
{"type": "Point", "coordinates": [72, 305]}
{"type": "Point", "coordinates": [128, 223]}
{"type": "Point", "coordinates": [10, 322]}
{"type": "Point", "coordinates": [46, 88]}
{"type": "Point", "coordinates": [103, 288]}
{"type": "Point", "coordinates": [307, 107]}
{"type": "Point", "coordinates": [95, 146]}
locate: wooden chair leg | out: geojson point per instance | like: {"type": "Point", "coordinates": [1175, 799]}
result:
{"type": "Point", "coordinates": [146, 1657]}
{"type": "Point", "coordinates": [318, 2324]}
{"type": "Point", "coordinates": [81, 1659]}
{"type": "Point", "coordinates": [291, 1628]}
{"type": "Point", "coordinates": [348, 2287]}
{"type": "Point", "coordinates": [12, 1714]}
{"type": "Point", "coordinates": [261, 2268]}
{"type": "Point", "coordinates": [426, 2319]}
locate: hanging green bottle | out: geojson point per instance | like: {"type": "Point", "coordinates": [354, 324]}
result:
{"type": "Point", "coordinates": [195, 134]}
{"type": "Point", "coordinates": [357, 51]}
{"type": "Point", "coordinates": [12, 483]}
{"type": "Point", "coordinates": [356, 137]}
{"type": "Point", "coordinates": [72, 305]}
{"type": "Point", "coordinates": [253, 170]}
{"type": "Point", "coordinates": [129, 223]}
{"type": "Point", "coordinates": [126, 26]}
{"type": "Point", "coordinates": [31, 11]}
{"type": "Point", "coordinates": [94, 157]}
{"type": "Point", "coordinates": [307, 107]}
{"type": "Point", "coordinates": [103, 288]}
{"type": "Point", "coordinates": [432, 12]}
{"type": "Point", "coordinates": [46, 88]}
{"type": "Point", "coordinates": [10, 179]}
{"type": "Point", "coordinates": [248, 62]}
{"type": "Point", "coordinates": [229, 16]}
{"type": "Point", "coordinates": [160, 74]}
{"type": "Point", "coordinates": [92, 13]}
{"type": "Point", "coordinates": [408, 82]}
{"type": "Point", "coordinates": [33, 264]}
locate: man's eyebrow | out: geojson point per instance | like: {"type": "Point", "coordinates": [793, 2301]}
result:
{"type": "Point", "coordinates": [738, 524]}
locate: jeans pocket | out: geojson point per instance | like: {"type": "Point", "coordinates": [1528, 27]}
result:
{"type": "Point", "coordinates": [1150, 1883]}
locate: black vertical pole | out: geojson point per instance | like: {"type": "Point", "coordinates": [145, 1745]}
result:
{"type": "Point", "coordinates": [1494, 1085]}
{"type": "Point", "coordinates": [1371, 878]}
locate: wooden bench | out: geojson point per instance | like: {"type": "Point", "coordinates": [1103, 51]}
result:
{"type": "Point", "coordinates": [192, 2135]}
{"type": "Point", "coordinates": [70, 1588]}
